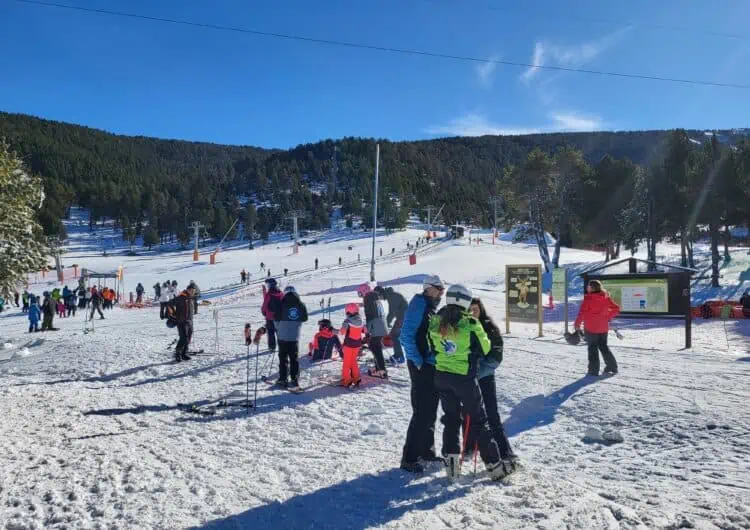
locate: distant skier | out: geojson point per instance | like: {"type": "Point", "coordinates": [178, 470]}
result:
{"type": "Point", "coordinates": [25, 298]}
{"type": "Point", "coordinates": [164, 298]}
{"type": "Point", "coordinates": [16, 298]}
{"type": "Point", "coordinates": [181, 311]}
{"type": "Point", "coordinates": [139, 290]}
{"type": "Point", "coordinates": [270, 309]}
{"type": "Point", "coordinates": [459, 342]}
{"type": "Point", "coordinates": [291, 316]}
{"type": "Point", "coordinates": [596, 312]}
{"type": "Point", "coordinates": [353, 331]}
{"type": "Point", "coordinates": [420, 437]}
{"type": "Point", "coordinates": [34, 313]}
{"type": "Point", "coordinates": [248, 334]}
{"type": "Point", "coordinates": [157, 291]}
{"type": "Point", "coordinates": [96, 303]}
{"type": "Point", "coordinates": [397, 305]}
{"type": "Point", "coordinates": [316, 263]}
{"type": "Point", "coordinates": [376, 327]}
{"type": "Point", "coordinates": [243, 276]}
{"type": "Point", "coordinates": [48, 312]}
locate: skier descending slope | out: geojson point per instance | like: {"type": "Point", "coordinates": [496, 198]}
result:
{"type": "Point", "coordinates": [459, 341]}
{"type": "Point", "coordinates": [420, 438]}
{"type": "Point", "coordinates": [293, 313]}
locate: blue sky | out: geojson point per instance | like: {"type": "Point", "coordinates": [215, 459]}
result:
{"type": "Point", "coordinates": [149, 78]}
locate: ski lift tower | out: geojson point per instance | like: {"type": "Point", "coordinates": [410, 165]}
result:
{"type": "Point", "coordinates": [295, 216]}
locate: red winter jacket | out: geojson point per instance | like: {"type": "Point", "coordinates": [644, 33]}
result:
{"type": "Point", "coordinates": [271, 299]}
{"type": "Point", "coordinates": [596, 312]}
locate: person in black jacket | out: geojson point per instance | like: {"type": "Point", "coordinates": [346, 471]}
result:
{"type": "Point", "coordinates": [486, 377]}
{"type": "Point", "coordinates": [48, 312]}
{"type": "Point", "coordinates": [397, 305]}
{"type": "Point", "coordinates": [96, 303]}
{"type": "Point", "coordinates": [292, 314]}
{"type": "Point", "coordinates": [181, 311]}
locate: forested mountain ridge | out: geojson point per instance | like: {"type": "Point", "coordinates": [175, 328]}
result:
{"type": "Point", "coordinates": [155, 187]}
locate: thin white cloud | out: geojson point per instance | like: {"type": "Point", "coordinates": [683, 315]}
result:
{"type": "Point", "coordinates": [570, 56]}
{"type": "Point", "coordinates": [485, 72]}
{"type": "Point", "coordinates": [537, 60]}
{"type": "Point", "coordinates": [476, 125]}
{"type": "Point", "coordinates": [574, 121]}
{"type": "Point", "coordinates": [479, 125]}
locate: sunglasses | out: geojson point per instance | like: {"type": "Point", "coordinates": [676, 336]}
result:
{"type": "Point", "coordinates": [441, 289]}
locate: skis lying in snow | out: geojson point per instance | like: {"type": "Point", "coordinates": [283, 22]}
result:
{"type": "Point", "coordinates": [195, 409]}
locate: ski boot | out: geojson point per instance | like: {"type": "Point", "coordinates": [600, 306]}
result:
{"type": "Point", "coordinates": [185, 357]}
{"type": "Point", "coordinates": [412, 467]}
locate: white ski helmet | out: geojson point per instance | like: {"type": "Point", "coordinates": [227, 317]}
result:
{"type": "Point", "coordinates": [459, 295]}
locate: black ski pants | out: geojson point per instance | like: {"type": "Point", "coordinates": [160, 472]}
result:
{"type": "Point", "coordinates": [185, 331]}
{"type": "Point", "coordinates": [488, 388]}
{"type": "Point", "coordinates": [163, 310]}
{"type": "Point", "coordinates": [376, 347]}
{"type": "Point", "coordinates": [461, 394]}
{"type": "Point", "coordinates": [94, 309]}
{"type": "Point", "coordinates": [288, 360]}
{"type": "Point", "coordinates": [597, 342]}
{"type": "Point", "coordinates": [271, 332]}
{"type": "Point", "coordinates": [420, 437]}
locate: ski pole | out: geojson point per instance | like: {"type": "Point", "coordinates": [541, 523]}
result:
{"type": "Point", "coordinates": [257, 356]}
{"type": "Point", "coordinates": [476, 450]}
{"type": "Point", "coordinates": [466, 434]}
{"type": "Point", "coordinates": [247, 382]}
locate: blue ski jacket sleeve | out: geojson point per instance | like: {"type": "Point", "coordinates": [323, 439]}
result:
{"type": "Point", "coordinates": [413, 324]}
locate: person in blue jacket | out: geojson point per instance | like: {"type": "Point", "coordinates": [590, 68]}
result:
{"type": "Point", "coordinates": [486, 378]}
{"type": "Point", "coordinates": [34, 313]}
{"type": "Point", "coordinates": [420, 437]}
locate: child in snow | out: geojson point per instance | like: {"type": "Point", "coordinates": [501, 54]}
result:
{"type": "Point", "coordinates": [248, 334]}
{"type": "Point", "coordinates": [60, 308]}
{"type": "Point", "coordinates": [324, 342]}
{"type": "Point", "coordinates": [352, 329]}
{"type": "Point", "coordinates": [34, 313]}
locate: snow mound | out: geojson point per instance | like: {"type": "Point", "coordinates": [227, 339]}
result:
{"type": "Point", "coordinates": [595, 435]}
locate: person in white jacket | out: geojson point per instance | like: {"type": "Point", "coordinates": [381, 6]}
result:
{"type": "Point", "coordinates": [164, 298]}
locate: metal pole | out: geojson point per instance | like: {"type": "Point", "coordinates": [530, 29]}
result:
{"type": "Point", "coordinates": [375, 212]}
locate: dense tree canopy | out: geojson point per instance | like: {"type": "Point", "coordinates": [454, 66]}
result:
{"type": "Point", "coordinates": [602, 187]}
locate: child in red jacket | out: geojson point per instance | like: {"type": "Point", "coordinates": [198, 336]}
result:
{"type": "Point", "coordinates": [324, 342]}
{"type": "Point", "coordinates": [596, 312]}
{"type": "Point", "coordinates": [353, 330]}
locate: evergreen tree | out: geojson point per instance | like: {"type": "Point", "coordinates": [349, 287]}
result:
{"type": "Point", "coordinates": [150, 237]}
{"type": "Point", "coordinates": [21, 196]}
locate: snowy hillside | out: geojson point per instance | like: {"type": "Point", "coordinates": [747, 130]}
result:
{"type": "Point", "coordinates": [96, 435]}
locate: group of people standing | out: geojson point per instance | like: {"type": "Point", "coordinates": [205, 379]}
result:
{"type": "Point", "coordinates": [452, 355]}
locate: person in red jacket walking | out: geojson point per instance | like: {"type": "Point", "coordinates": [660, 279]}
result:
{"type": "Point", "coordinates": [596, 312]}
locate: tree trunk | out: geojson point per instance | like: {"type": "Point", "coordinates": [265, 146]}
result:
{"type": "Point", "coordinates": [727, 256]}
{"type": "Point", "coordinates": [683, 249]}
{"type": "Point", "coordinates": [541, 240]}
{"type": "Point", "coordinates": [617, 249]}
{"type": "Point", "coordinates": [558, 244]}
{"type": "Point", "coordinates": [714, 230]}
{"type": "Point", "coordinates": [607, 256]}
{"type": "Point", "coordinates": [691, 261]}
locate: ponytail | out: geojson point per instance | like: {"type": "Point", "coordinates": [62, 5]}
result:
{"type": "Point", "coordinates": [449, 320]}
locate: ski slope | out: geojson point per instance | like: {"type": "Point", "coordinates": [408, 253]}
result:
{"type": "Point", "coordinates": [93, 437]}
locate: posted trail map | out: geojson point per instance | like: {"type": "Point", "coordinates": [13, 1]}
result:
{"type": "Point", "coordinates": [639, 295]}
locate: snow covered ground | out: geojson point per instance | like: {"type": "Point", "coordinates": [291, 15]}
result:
{"type": "Point", "coordinates": [93, 437]}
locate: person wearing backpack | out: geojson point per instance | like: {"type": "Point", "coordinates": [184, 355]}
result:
{"type": "Point", "coordinates": [291, 316]}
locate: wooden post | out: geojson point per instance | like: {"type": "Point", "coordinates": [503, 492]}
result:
{"type": "Point", "coordinates": [507, 301]}
{"type": "Point", "coordinates": [540, 309]}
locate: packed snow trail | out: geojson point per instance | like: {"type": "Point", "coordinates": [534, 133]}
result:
{"type": "Point", "coordinates": [94, 437]}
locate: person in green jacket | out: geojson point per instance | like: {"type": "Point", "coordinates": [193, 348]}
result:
{"type": "Point", "coordinates": [459, 342]}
